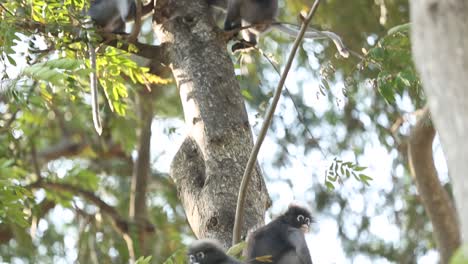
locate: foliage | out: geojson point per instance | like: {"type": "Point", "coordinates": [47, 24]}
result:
{"type": "Point", "coordinates": [340, 169]}
{"type": "Point", "coordinates": [47, 138]}
{"type": "Point", "coordinates": [13, 197]}
{"type": "Point", "coordinates": [461, 256]}
{"type": "Point", "coordinates": [236, 250]}
{"type": "Point", "coordinates": [179, 256]}
{"type": "Point", "coordinates": [397, 74]}
{"type": "Point", "coordinates": [143, 260]}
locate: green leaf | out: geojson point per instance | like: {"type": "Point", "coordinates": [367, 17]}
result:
{"type": "Point", "coordinates": [330, 186]}
{"type": "Point", "coordinates": [399, 28]}
{"type": "Point", "coordinates": [143, 260]}
{"type": "Point", "coordinates": [359, 168]}
{"type": "Point", "coordinates": [178, 256]}
{"type": "Point", "coordinates": [236, 250]}
{"type": "Point", "coordinates": [461, 255]}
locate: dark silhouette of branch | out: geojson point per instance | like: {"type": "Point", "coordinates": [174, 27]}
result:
{"type": "Point", "coordinates": [119, 221]}
{"type": "Point", "coordinates": [137, 23]}
{"type": "Point", "coordinates": [266, 124]}
{"type": "Point", "coordinates": [114, 40]}
{"type": "Point", "coordinates": [141, 169]}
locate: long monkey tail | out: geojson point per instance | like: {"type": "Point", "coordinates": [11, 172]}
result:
{"type": "Point", "coordinates": [93, 83]}
{"type": "Point", "coordinates": [315, 34]}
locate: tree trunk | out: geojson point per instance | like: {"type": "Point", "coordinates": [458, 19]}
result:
{"type": "Point", "coordinates": [208, 167]}
{"type": "Point", "coordinates": [435, 199]}
{"type": "Point", "coordinates": [439, 41]}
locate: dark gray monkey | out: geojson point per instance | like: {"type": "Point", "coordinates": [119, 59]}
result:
{"type": "Point", "coordinates": [111, 15]}
{"type": "Point", "coordinates": [282, 239]}
{"type": "Point", "coordinates": [262, 14]}
{"type": "Point", "coordinates": [208, 251]}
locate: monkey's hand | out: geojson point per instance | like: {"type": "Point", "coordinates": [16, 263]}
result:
{"type": "Point", "coordinates": [242, 45]}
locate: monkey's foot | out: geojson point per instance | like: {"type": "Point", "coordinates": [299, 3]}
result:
{"type": "Point", "coordinates": [242, 46]}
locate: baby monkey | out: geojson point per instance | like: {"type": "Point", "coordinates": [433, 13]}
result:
{"type": "Point", "coordinates": [111, 15]}
{"type": "Point", "coordinates": [208, 251]}
{"type": "Point", "coordinates": [260, 16]}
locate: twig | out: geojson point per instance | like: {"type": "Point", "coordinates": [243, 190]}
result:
{"type": "Point", "coordinates": [253, 156]}
{"type": "Point", "coordinates": [120, 222]}
{"type": "Point", "coordinates": [299, 114]}
{"type": "Point", "coordinates": [6, 9]}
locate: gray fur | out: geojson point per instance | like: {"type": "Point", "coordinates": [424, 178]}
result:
{"type": "Point", "coordinates": [282, 239]}
{"type": "Point", "coordinates": [208, 251]}
{"type": "Point", "coordinates": [262, 14]}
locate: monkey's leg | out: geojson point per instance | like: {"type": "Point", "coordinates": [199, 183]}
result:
{"type": "Point", "coordinates": [249, 41]}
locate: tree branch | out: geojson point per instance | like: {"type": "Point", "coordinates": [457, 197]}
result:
{"type": "Point", "coordinates": [266, 124]}
{"type": "Point", "coordinates": [120, 222]}
{"type": "Point", "coordinates": [137, 23]}
{"type": "Point", "coordinates": [114, 40]}
{"type": "Point", "coordinates": [141, 169]}
{"type": "Point", "coordinates": [435, 199]}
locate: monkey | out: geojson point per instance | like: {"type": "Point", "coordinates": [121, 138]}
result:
{"type": "Point", "coordinates": [208, 251]}
{"type": "Point", "coordinates": [260, 17]}
{"type": "Point", "coordinates": [110, 16]}
{"type": "Point", "coordinates": [283, 238]}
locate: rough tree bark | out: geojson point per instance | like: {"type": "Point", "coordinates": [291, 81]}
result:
{"type": "Point", "coordinates": [435, 199]}
{"type": "Point", "coordinates": [208, 167]}
{"type": "Point", "coordinates": [440, 42]}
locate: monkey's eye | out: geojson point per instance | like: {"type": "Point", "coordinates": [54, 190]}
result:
{"type": "Point", "coordinates": [300, 218]}
{"type": "Point", "coordinates": [307, 221]}
{"type": "Point", "coordinates": [192, 259]}
{"type": "Point", "coordinates": [200, 255]}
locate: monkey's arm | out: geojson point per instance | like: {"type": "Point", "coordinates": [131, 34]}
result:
{"type": "Point", "coordinates": [297, 239]}
{"type": "Point", "coordinates": [233, 16]}
{"type": "Point", "coordinates": [219, 4]}
{"type": "Point", "coordinates": [145, 10]}
{"type": "Point", "coordinates": [315, 34]}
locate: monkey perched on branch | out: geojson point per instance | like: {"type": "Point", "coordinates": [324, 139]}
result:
{"type": "Point", "coordinates": [282, 239]}
{"type": "Point", "coordinates": [208, 251]}
{"type": "Point", "coordinates": [110, 16]}
{"type": "Point", "coordinates": [258, 17]}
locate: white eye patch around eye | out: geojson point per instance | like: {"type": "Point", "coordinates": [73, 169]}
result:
{"type": "Point", "coordinates": [300, 218]}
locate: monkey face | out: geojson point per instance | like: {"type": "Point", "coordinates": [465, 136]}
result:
{"type": "Point", "coordinates": [303, 222]}
{"type": "Point", "coordinates": [206, 251]}
{"type": "Point", "coordinates": [298, 217]}
{"type": "Point", "coordinates": [197, 258]}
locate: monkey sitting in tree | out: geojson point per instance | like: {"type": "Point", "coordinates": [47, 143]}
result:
{"type": "Point", "coordinates": [207, 251]}
{"type": "Point", "coordinates": [260, 16]}
{"type": "Point", "coordinates": [283, 239]}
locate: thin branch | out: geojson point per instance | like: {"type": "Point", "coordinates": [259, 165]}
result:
{"type": "Point", "coordinates": [6, 9]}
{"type": "Point", "coordinates": [119, 221]}
{"type": "Point", "coordinates": [300, 116]}
{"type": "Point", "coordinates": [253, 156]}
{"type": "Point", "coordinates": [111, 39]}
